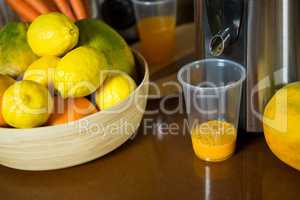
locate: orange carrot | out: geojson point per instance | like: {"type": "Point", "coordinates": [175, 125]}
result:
{"type": "Point", "coordinates": [23, 9]}
{"type": "Point", "coordinates": [87, 5]}
{"type": "Point", "coordinates": [39, 6]}
{"type": "Point", "coordinates": [65, 8]}
{"type": "Point", "coordinates": [79, 9]}
{"type": "Point", "coordinates": [51, 5]}
{"type": "Point", "coordinates": [22, 19]}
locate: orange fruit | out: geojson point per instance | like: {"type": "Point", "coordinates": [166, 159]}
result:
{"type": "Point", "coordinates": [71, 109]}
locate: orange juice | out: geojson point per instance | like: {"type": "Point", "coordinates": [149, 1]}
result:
{"type": "Point", "coordinates": [214, 140]}
{"type": "Point", "coordinates": [157, 38]}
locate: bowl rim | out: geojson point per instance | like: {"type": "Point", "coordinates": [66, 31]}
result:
{"type": "Point", "coordinates": [137, 55]}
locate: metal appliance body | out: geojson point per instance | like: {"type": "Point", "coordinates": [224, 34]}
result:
{"type": "Point", "coordinates": [263, 35]}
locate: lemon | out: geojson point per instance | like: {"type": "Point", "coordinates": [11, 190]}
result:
{"type": "Point", "coordinates": [42, 70]}
{"type": "Point", "coordinates": [115, 89]}
{"type": "Point", "coordinates": [26, 104]}
{"type": "Point", "coordinates": [52, 34]}
{"type": "Point", "coordinates": [80, 72]}
{"type": "Point", "coordinates": [5, 82]}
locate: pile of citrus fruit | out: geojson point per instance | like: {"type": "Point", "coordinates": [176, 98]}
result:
{"type": "Point", "coordinates": [53, 69]}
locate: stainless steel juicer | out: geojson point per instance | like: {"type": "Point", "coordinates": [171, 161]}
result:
{"type": "Point", "coordinates": [263, 35]}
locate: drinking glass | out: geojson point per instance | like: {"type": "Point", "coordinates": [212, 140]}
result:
{"type": "Point", "coordinates": [156, 21]}
{"type": "Point", "coordinates": [212, 90]}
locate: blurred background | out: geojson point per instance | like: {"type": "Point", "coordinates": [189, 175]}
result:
{"type": "Point", "coordinates": [120, 15]}
{"type": "Point", "coordinates": [117, 13]}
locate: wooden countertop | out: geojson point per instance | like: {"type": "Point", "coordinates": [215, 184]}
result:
{"type": "Point", "coordinates": [159, 165]}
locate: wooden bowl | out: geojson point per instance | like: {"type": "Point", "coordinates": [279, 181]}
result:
{"type": "Point", "coordinates": [62, 146]}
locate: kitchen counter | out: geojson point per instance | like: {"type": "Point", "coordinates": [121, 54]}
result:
{"type": "Point", "coordinates": [159, 163]}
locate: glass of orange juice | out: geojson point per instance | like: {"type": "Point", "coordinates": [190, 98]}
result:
{"type": "Point", "coordinates": [212, 90]}
{"type": "Point", "coordinates": [156, 21]}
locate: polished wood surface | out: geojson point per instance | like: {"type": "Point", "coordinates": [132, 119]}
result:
{"type": "Point", "coordinates": [159, 163]}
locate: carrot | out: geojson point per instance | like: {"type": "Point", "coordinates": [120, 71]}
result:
{"type": "Point", "coordinates": [39, 5]}
{"type": "Point", "coordinates": [79, 9]}
{"type": "Point", "coordinates": [51, 5]}
{"type": "Point", "coordinates": [64, 7]}
{"type": "Point", "coordinates": [25, 11]}
{"type": "Point", "coordinates": [22, 19]}
{"type": "Point", "coordinates": [87, 5]}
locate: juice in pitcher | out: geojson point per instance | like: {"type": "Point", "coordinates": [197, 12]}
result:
{"type": "Point", "coordinates": [157, 36]}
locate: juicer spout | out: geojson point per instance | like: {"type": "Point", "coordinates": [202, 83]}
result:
{"type": "Point", "coordinates": [219, 42]}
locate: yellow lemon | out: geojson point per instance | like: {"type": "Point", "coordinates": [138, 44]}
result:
{"type": "Point", "coordinates": [52, 34]}
{"type": "Point", "coordinates": [5, 82]}
{"type": "Point", "coordinates": [281, 124]}
{"type": "Point", "coordinates": [42, 70]}
{"type": "Point", "coordinates": [115, 89]}
{"type": "Point", "coordinates": [26, 104]}
{"type": "Point", "coordinates": [80, 72]}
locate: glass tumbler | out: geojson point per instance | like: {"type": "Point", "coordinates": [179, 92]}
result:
{"type": "Point", "coordinates": [156, 21]}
